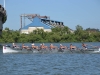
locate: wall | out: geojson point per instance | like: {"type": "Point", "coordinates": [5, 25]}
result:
{"type": "Point", "coordinates": [30, 29]}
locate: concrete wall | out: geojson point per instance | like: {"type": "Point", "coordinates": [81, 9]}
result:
{"type": "Point", "coordinates": [24, 31]}
{"type": "Point", "coordinates": [30, 29]}
{"type": "Point", "coordinates": [47, 30]}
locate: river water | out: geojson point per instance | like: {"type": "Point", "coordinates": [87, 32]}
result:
{"type": "Point", "coordinates": [50, 64]}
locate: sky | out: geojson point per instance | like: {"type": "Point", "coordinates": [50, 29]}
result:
{"type": "Point", "coordinates": [85, 13]}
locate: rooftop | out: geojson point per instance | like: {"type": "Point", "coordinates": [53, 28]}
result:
{"type": "Point", "coordinates": [37, 23]}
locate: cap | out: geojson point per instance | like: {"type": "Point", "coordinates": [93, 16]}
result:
{"type": "Point", "coordinates": [32, 44]}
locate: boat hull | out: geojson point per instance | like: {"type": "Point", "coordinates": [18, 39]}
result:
{"type": "Point", "coordinates": [15, 50]}
{"type": "Point", "coordinates": [19, 50]}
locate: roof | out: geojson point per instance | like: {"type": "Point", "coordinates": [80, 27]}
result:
{"type": "Point", "coordinates": [51, 20]}
{"type": "Point", "coordinates": [37, 23]}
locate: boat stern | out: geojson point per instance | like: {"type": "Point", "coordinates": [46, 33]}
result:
{"type": "Point", "coordinates": [7, 49]}
{"type": "Point", "coordinates": [4, 49]}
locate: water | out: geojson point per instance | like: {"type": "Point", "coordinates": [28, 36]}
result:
{"type": "Point", "coordinates": [50, 64]}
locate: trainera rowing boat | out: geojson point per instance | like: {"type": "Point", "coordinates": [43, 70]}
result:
{"type": "Point", "coordinates": [8, 49]}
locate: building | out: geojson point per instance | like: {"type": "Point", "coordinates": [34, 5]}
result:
{"type": "Point", "coordinates": [39, 22]}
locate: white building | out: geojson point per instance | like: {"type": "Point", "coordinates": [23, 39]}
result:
{"type": "Point", "coordinates": [36, 24]}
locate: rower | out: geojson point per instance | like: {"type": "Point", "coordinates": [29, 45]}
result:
{"type": "Point", "coordinates": [14, 45]}
{"type": "Point", "coordinates": [52, 47]}
{"type": "Point", "coordinates": [72, 47]}
{"type": "Point", "coordinates": [84, 45]}
{"type": "Point", "coordinates": [42, 46]}
{"type": "Point", "coordinates": [25, 47]}
{"type": "Point", "coordinates": [34, 47]}
{"type": "Point", "coordinates": [62, 47]}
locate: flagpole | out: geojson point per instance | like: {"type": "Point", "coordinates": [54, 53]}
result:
{"type": "Point", "coordinates": [4, 3]}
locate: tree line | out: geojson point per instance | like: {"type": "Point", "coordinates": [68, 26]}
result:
{"type": "Point", "coordinates": [58, 34]}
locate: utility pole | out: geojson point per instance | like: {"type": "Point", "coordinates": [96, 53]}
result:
{"type": "Point", "coordinates": [21, 21]}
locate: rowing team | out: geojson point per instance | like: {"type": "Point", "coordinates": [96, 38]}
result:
{"type": "Point", "coordinates": [42, 46]}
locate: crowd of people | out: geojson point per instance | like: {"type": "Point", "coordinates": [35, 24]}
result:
{"type": "Point", "coordinates": [43, 46]}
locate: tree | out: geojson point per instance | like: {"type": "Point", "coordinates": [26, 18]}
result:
{"type": "Point", "coordinates": [79, 30]}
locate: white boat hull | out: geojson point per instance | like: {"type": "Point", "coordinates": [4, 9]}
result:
{"type": "Point", "coordinates": [16, 50]}
{"type": "Point", "coordinates": [9, 50]}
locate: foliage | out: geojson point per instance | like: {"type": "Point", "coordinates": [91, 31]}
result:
{"type": "Point", "coordinates": [92, 29]}
{"type": "Point", "coordinates": [58, 34]}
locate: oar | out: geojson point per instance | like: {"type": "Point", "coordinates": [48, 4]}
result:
{"type": "Point", "coordinates": [82, 50]}
{"type": "Point", "coordinates": [67, 48]}
{"type": "Point", "coordinates": [70, 50]}
{"type": "Point", "coordinates": [94, 46]}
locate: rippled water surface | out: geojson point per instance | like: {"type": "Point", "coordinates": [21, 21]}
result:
{"type": "Point", "coordinates": [49, 64]}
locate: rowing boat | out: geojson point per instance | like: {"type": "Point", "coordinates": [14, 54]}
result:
{"type": "Point", "coordinates": [8, 49]}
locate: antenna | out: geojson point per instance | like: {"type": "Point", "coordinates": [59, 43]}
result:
{"type": "Point", "coordinates": [4, 3]}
